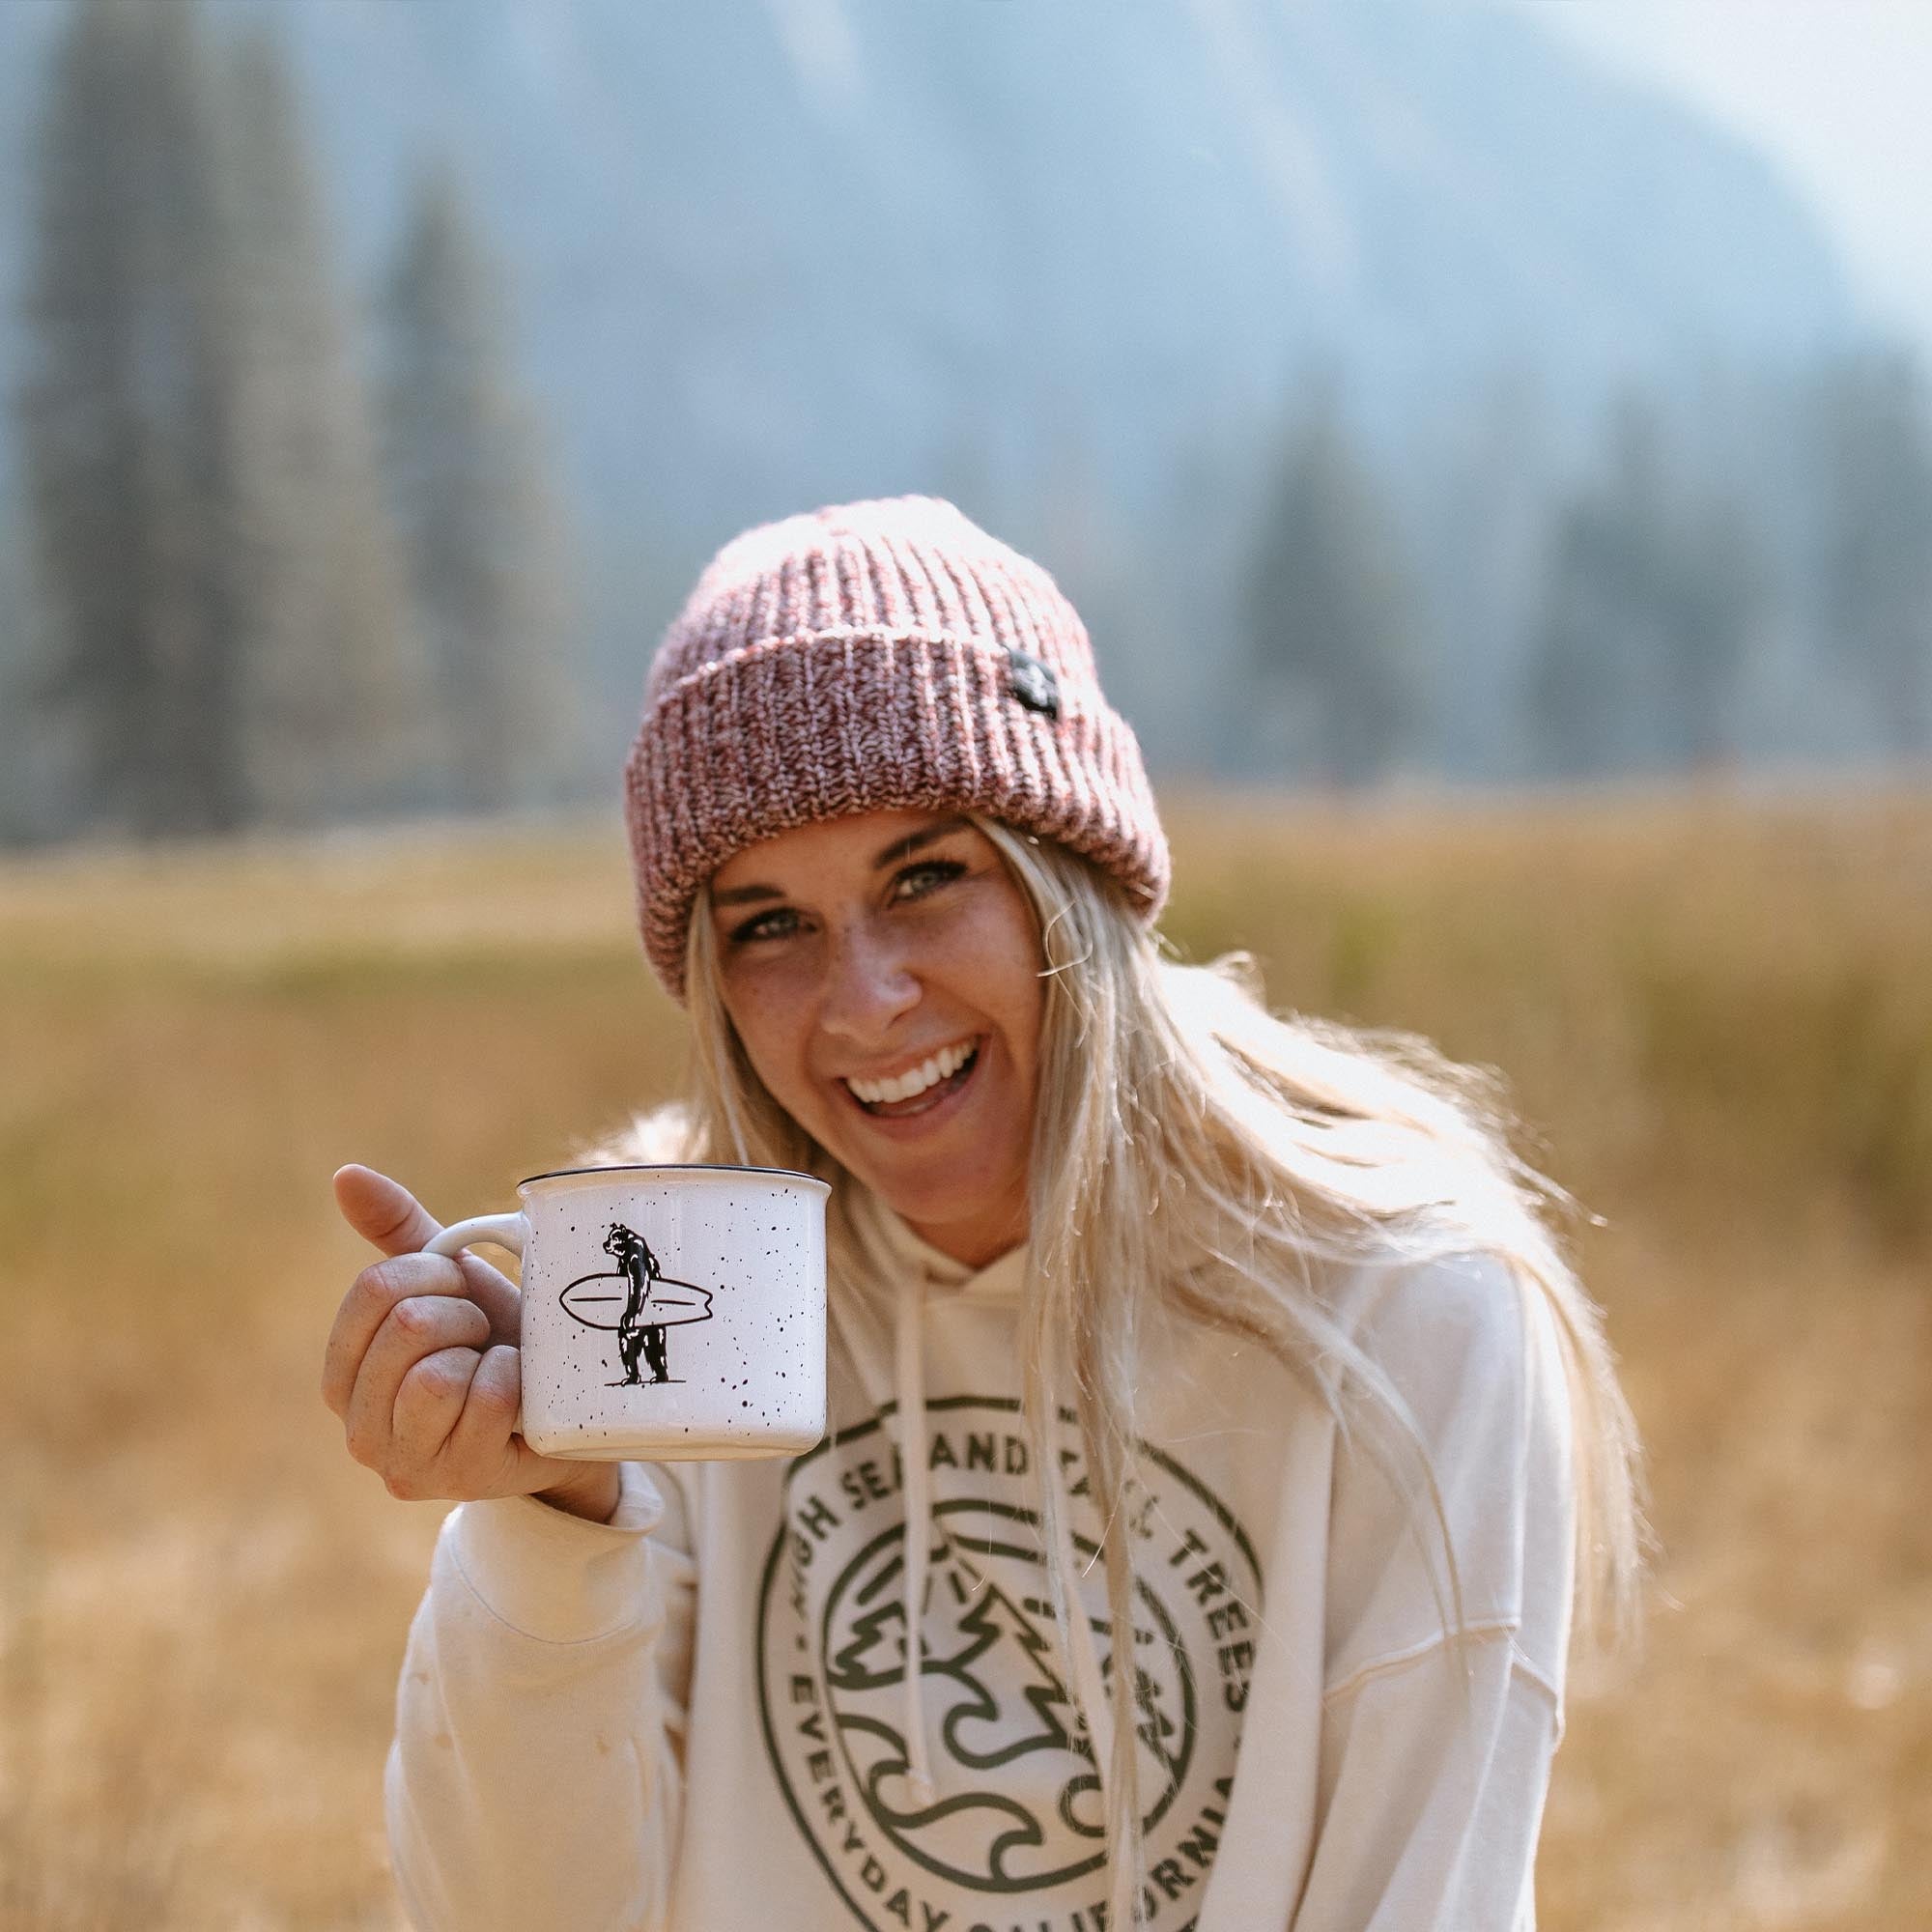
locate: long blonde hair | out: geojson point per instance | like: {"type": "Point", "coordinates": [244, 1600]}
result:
{"type": "Point", "coordinates": [1195, 1153]}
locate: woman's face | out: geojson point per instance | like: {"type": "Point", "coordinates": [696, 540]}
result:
{"type": "Point", "coordinates": [883, 972]}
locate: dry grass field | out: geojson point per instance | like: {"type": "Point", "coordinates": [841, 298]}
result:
{"type": "Point", "coordinates": [1717, 1013]}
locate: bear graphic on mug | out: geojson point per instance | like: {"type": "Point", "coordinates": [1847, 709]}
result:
{"type": "Point", "coordinates": [653, 1304]}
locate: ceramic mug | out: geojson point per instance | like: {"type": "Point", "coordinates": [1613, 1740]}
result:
{"type": "Point", "coordinates": [671, 1314]}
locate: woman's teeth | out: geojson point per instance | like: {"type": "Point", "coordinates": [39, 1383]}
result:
{"type": "Point", "coordinates": [941, 1066]}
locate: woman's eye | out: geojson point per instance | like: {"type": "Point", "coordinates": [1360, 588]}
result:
{"type": "Point", "coordinates": [925, 878]}
{"type": "Point", "coordinates": [766, 925]}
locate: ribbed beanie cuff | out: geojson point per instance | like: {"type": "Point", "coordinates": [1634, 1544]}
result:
{"type": "Point", "coordinates": [867, 657]}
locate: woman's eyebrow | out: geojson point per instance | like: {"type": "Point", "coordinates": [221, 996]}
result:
{"type": "Point", "coordinates": [745, 895]}
{"type": "Point", "coordinates": [913, 840]}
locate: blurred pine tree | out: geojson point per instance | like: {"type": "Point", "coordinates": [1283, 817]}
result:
{"type": "Point", "coordinates": [218, 618]}
{"type": "Point", "coordinates": [1331, 606]}
{"type": "Point", "coordinates": [336, 700]}
{"type": "Point", "coordinates": [1870, 434]}
{"type": "Point", "coordinates": [127, 413]}
{"type": "Point", "coordinates": [1651, 600]}
{"type": "Point", "coordinates": [481, 523]}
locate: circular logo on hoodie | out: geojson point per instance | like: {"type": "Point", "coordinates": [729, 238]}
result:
{"type": "Point", "coordinates": [1015, 1806]}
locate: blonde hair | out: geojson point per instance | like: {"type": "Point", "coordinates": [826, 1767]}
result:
{"type": "Point", "coordinates": [1193, 1151]}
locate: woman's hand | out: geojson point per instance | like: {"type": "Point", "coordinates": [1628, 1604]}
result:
{"type": "Point", "coordinates": [423, 1369]}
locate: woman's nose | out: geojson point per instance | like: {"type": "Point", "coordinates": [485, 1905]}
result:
{"type": "Point", "coordinates": [870, 982]}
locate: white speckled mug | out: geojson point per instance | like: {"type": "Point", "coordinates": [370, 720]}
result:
{"type": "Point", "coordinates": [671, 1314]}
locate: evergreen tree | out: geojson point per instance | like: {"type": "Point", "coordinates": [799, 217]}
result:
{"type": "Point", "coordinates": [1599, 633]}
{"type": "Point", "coordinates": [336, 708]}
{"type": "Point", "coordinates": [1486, 473]}
{"type": "Point", "coordinates": [1330, 604]}
{"type": "Point", "coordinates": [1872, 446]}
{"type": "Point", "coordinates": [127, 422]}
{"type": "Point", "coordinates": [479, 521]}
{"type": "Point", "coordinates": [28, 798]}
{"type": "Point", "coordinates": [1721, 594]}
{"type": "Point", "coordinates": [1648, 609]}
{"type": "Point", "coordinates": [222, 631]}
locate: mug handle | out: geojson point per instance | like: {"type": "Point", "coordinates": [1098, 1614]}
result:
{"type": "Point", "coordinates": [503, 1231]}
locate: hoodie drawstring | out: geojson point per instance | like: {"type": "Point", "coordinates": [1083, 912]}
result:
{"type": "Point", "coordinates": [911, 1379]}
{"type": "Point", "coordinates": [1088, 1686]}
{"type": "Point", "coordinates": [1089, 1690]}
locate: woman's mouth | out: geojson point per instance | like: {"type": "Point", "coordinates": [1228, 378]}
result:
{"type": "Point", "coordinates": [920, 1088]}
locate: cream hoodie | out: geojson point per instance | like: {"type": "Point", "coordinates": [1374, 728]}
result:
{"type": "Point", "coordinates": [697, 1717]}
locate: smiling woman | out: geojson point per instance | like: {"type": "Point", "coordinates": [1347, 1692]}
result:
{"type": "Point", "coordinates": [1222, 1448]}
{"type": "Point", "coordinates": [890, 1002]}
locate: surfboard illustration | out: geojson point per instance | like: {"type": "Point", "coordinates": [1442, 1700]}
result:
{"type": "Point", "coordinates": [638, 1303]}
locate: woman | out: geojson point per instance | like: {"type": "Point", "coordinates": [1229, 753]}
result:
{"type": "Point", "coordinates": [1152, 1314]}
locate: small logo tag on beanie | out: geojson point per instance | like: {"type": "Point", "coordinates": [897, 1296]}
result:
{"type": "Point", "coordinates": [1032, 683]}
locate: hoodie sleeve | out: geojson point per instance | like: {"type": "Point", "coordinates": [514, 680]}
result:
{"type": "Point", "coordinates": [535, 1780]}
{"type": "Point", "coordinates": [1435, 1748]}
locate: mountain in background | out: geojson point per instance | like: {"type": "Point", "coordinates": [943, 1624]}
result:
{"type": "Point", "coordinates": [1066, 263]}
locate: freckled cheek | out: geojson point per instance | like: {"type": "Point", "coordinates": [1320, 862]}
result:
{"type": "Point", "coordinates": [1004, 989]}
{"type": "Point", "coordinates": [769, 1024]}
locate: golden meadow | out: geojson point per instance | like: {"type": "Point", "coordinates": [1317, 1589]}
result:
{"type": "Point", "coordinates": [1715, 1017]}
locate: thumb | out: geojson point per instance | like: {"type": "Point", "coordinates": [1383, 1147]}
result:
{"type": "Point", "coordinates": [386, 1213]}
{"type": "Point", "coordinates": [383, 1211]}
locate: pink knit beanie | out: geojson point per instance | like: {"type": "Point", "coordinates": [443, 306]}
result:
{"type": "Point", "coordinates": [863, 657]}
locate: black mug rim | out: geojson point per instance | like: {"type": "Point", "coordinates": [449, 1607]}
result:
{"type": "Point", "coordinates": [674, 1167]}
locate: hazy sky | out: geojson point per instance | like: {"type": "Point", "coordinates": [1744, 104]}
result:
{"type": "Point", "coordinates": [1837, 92]}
